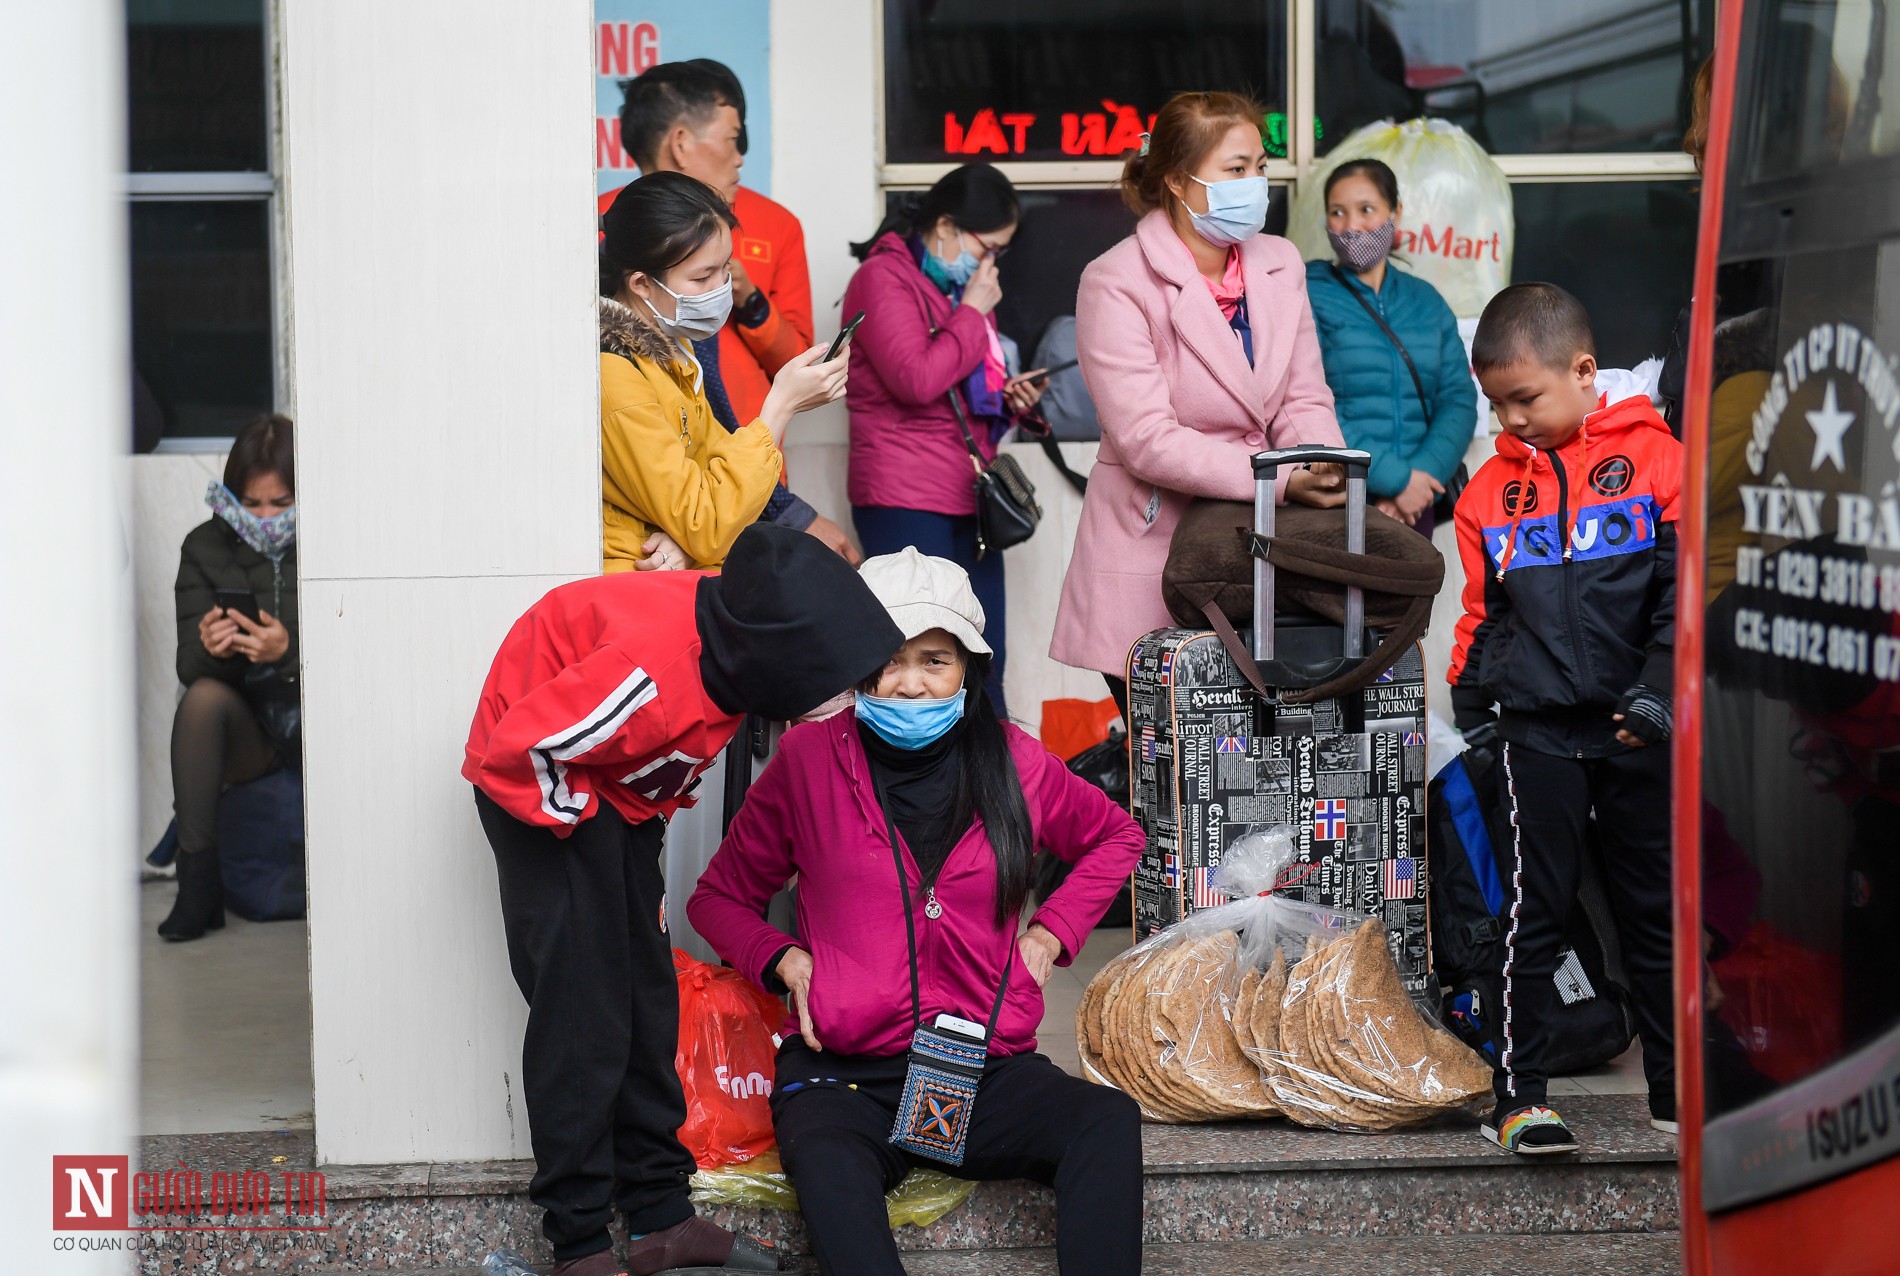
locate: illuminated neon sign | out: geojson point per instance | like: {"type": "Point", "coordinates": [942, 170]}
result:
{"type": "Point", "coordinates": [1116, 129]}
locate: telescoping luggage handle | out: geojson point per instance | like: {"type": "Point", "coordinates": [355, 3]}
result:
{"type": "Point", "coordinates": [1266, 471]}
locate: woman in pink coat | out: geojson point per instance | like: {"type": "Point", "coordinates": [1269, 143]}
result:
{"type": "Point", "coordinates": [928, 289]}
{"type": "Point", "coordinates": [1199, 350]}
{"type": "Point", "coordinates": [921, 778]}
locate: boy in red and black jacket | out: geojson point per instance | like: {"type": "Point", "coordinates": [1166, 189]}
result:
{"type": "Point", "coordinates": [1568, 540]}
{"type": "Point", "coordinates": [605, 702]}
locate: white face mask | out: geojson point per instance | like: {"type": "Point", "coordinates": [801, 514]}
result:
{"type": "Point", "coordinates": [697, 316]}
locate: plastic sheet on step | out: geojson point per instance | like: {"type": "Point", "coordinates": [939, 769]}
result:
{"type": "Point", "coordinates": [761, 1183]}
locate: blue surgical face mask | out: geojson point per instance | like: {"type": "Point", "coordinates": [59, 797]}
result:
{"type": "Point", "coordinates": [1236, 210]}
{"type": "Point", "coordinates": [909, 724]}
{"type": "Point", "coordinates": [950, 274]}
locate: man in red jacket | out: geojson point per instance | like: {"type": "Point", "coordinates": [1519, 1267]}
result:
{"type": "Point", "coordinates": [689, 117]}
{"type": "Point", "coordinates": [604, 704]}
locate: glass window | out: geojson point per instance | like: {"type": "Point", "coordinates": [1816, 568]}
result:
{"type": "Point", "coordinates": [1626, 249]}
{"type": "Point", "coordinates": [1828, 81]}
{"type": "Point", "coordinates": [1065, 79]}
{"type": "Point", "coordinates": [201, 312]}
{"type": "Point", "coordinates": [1560, 76]}
{"type": "Point", "coordinates": [195, 86]}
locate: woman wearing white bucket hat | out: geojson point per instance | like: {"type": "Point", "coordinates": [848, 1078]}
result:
{"type": "Point", "coordinates": [909, 822]}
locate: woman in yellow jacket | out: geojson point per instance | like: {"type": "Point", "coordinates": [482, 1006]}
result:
{"type": "Point", "coordinates": [676, 488]}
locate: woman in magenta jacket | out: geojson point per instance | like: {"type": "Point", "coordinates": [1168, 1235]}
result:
{"type": "Point", "coordinates": [923, 772]}
{"type": "Point", "coordinates": [1199, 350]}
{"type": "Point", "coordinates": [928, 291]}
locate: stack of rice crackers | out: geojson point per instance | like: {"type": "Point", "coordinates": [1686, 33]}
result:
{"type": "Point", "coordinates": [1193, 1032]}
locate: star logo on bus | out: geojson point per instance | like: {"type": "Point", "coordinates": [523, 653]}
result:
{"type": "Point", "coordinates": [1829, 426]}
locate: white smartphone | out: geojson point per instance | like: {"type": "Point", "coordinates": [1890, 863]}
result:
{"type": "Point", "coordinates": [962, 1027]}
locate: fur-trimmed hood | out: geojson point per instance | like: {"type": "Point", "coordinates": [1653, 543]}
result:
{"type": "Point", "coordinates": [631, 335]}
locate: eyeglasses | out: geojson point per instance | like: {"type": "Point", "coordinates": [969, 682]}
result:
{"type": "Point", "coordinates": [995, 251]}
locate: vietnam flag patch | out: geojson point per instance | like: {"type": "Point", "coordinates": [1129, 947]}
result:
{"type": "Point", "coordinates": [759, 250]}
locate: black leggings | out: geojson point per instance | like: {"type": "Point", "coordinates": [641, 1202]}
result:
{"type": "Point", "coordinates": [216, 741]}
{"type": "Point", "coordinates": [833, 1116]}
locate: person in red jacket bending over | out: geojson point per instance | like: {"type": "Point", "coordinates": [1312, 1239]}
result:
{"type": "Point", "coordinates": [605, 702]}
{"type": "Point", "coordinates": [1568, 537]}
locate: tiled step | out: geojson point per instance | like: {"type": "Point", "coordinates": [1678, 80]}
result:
{"type": "Point", "coordinates": [1205, 1185]}
{"type": "Point", "coordinates": [1630, 1254]}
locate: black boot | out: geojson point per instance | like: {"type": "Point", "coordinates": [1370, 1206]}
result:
{"type": "Point", "coordinates": [200, 903]}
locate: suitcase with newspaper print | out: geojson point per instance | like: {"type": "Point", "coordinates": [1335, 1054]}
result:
{"type": "Point", "coordinates": [1211, 761]}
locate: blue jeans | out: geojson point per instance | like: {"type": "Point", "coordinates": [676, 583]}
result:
{"type": "Point", "coordinates": [953, 536]}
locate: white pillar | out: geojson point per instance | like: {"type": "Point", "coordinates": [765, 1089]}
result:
{"type": "Point", "coordinates": [67, 1018]}
{"type": "Point", "coordinates": [438, 177]}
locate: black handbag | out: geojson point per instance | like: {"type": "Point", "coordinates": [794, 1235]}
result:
{"type": "Point", "coordinates": [1454, 488]}
{"type": "Point", "coordinates": [275, 701]}
{"type": "Point", "coordinates": [1006, 509]}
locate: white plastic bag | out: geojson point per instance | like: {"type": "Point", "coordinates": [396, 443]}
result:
{"type": "Point", "coordinates": [1457, 229]}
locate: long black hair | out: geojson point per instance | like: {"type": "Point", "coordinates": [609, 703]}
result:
{"type": "Point", "coordinates": [974, 196]}
{"type": "Point", "coordinates": [989, 786]}
{"type": "Point", "coordinates": [655, 223]}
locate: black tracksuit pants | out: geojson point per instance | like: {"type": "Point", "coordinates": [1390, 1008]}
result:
{"type": "Point", "coordinates": [834, 1113]}
{"type": "Point", "coordinates": [587, 946]}
{"type": "Point", "coordinates": [1549, 800]}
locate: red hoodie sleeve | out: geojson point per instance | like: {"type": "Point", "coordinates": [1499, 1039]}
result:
{"type": "Point", "coordinates": [601, 711]}
{"type": "Point", "coordinates": [1077, 823]}
{"type": "Point", "coordinates": [1484, 600]}
{"type": "Point", "coordinates": [751, 866]}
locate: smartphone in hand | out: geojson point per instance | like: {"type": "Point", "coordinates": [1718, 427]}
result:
{"type": "Point", "coordinates": [1042, 375]}
{"type": "Point", "coordinates": [240, 600]}
{"type": "Point", "coordinates": [837, 344]}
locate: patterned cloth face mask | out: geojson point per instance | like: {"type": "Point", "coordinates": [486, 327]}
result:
{"type": "Point", "coordinates": [1361, 250]}
{"type": "Point", "coordinates": [271, 537]}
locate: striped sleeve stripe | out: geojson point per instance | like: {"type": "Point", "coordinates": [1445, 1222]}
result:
{"type": "Point", "coordinates": [597, 726]}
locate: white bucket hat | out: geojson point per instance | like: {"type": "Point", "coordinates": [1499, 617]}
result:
{"type": "Point", "coordinates": [924, 593]}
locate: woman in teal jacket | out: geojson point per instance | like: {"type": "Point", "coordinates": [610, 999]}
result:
{"type": "Point", "coordinates": [1417, 431]}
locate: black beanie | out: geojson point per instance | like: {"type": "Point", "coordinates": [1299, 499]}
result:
{"type": "Point", "coordinates": [787, 625]}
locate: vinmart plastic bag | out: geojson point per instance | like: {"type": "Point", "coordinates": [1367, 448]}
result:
{"type": "Point", "coordinates": [1159, 1022]}
{"type": "Point", "coordinates": [1457, 228]}
{"type": "Point", "coordinates": [727, 1056]}
{"type": "Point", "coordinates": [761, 1183]}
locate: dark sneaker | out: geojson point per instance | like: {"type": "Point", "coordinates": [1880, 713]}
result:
{"type": "Point", "coordinates": [697, 1248]}
{"type": "Point", "coordinates": [1533, 1130]}
{"type": "Point", "coordinates": [1662, 1114]}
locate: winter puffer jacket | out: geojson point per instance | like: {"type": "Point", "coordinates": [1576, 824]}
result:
{"type": "Point", "coordinates": [214, 557]}
{"type": "Point", "coordinates": [1373, 394]}
{"type": "Point", "coordinates": [1557, 636]}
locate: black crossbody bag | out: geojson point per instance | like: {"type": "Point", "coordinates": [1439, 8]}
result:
{"type": "Point", "coordinates": [1006, 509]}
{"type": "Point", "coordinates": [1454, 488]}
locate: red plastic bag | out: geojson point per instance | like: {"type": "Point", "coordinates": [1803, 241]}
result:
{"type": "Point", "coordinates": [1070, 726]}
{"type": "Point", "coordinates": [727, 1055]}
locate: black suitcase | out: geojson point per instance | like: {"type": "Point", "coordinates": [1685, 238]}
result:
{"type": "Point", "coordinates": [1213, 761]}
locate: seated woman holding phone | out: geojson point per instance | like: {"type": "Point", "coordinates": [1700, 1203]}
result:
{"type": "Point", "coordinates": [237, 656]}
{"type": "Point", "coordinates": [910, 821]}
{"type": "Point", "coordinates": [676, 487]}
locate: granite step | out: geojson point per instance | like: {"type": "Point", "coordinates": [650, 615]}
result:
{"type": "Point", "coordinates": [1628, 1254]}
{"type": "Point", "coordinates": [1617, 1254]}
{"type": "Point", "coordinates": [1205, 1185]}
